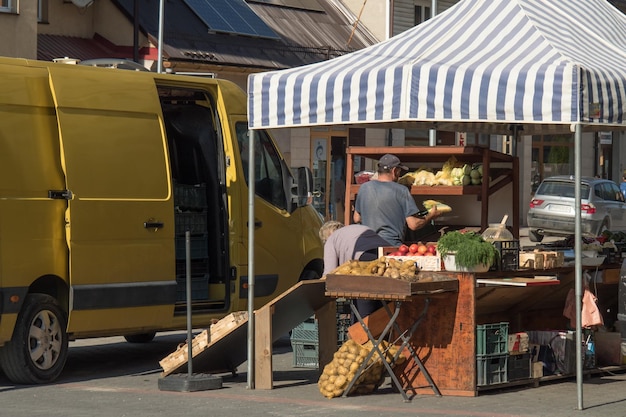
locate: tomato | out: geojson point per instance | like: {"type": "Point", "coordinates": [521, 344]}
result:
{"type": "Point", "coordinates": [413, 248]}
{"type": "Point", "coordinates": [422, 249]}
{"type": "Point", "coordinates": [432, 249]}
{"type": "Point", "coordinates": [403, 249]}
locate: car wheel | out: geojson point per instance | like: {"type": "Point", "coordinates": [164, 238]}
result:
{"type": "Point", "coordinates": [38, 350]}
{"type": "Point", "coordinates": [533, 236]}
{"type": "Point", "coordinates": [604, 226]}
{"type": "Point", "coordinates": [140, 338]}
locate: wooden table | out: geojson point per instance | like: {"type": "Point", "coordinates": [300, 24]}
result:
{"type": "Point", "coordinates": [399, 293]}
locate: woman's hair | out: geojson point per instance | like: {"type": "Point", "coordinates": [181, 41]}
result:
{"type": "Point", "coordinates": [328, 228]}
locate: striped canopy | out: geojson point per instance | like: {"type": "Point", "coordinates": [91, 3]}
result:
{"type": "Point", "coordinates": [482, 66]}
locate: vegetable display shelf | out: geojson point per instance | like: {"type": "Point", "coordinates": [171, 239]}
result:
{"type": "Point", "coordinates": [414, 156]}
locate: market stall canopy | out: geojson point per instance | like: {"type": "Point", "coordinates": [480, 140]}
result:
{"type": "Point", "coordinates": [480, 66]}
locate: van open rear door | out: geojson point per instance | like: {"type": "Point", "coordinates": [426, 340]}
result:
{"type": "Point", "coordinates": [119, 222]}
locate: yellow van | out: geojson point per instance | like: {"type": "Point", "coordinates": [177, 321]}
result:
{"type": "Point", "coordinates": [105, 176]}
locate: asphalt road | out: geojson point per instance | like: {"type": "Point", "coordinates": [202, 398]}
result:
{"type": "Point", "coordinates": [110, 377]}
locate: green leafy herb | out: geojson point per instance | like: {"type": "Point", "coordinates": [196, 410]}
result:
{"type": "Point", "coordinates": [469, 248]}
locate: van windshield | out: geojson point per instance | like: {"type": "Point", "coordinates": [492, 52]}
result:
{"type": "Point", "coordinates": [268, 172]}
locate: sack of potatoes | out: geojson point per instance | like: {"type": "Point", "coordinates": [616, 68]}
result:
{"type": "Point", "coordinates": [346, 362]}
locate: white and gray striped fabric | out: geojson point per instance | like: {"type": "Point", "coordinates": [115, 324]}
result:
{"type": "Point", "coordinates": [482, 63]}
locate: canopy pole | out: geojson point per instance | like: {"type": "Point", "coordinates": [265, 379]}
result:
{"type": "Point", "coordinates": [432, 133]}
{"type": "Point", "coordinates": [578, 263]}
{"type": "Point", "coordinates": [251, 192]}
{"type": "Point", "coordinates": [160, 46]}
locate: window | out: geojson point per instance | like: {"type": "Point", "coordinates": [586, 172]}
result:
{"type": "Point", "coordinates": [268, 172]}
{"type": "Point", "coordinates": [42, 11]}
{"type": "Point", "coordinates": [8, 6]}
{"type": "Point", "coordinates": [422, 12]}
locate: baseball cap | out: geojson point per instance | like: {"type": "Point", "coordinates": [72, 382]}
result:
{"type": "Point", "coordinates": [389, 161]}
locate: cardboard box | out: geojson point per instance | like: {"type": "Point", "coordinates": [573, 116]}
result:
{"type": "Point", "coordinates": [518, 342]}
{"type": "Point", "coordinates": [531, 260]}
{"type": "Point", "coordinates": [424, 263]}
{"type": "Point", "coordinates": [553, 259]}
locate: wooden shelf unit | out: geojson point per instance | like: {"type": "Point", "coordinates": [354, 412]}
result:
{"type": "Point", "coordinates": [499, 177]}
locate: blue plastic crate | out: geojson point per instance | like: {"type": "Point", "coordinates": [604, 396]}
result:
{"type": "Point", "coordinates": [491, 369]}
{"type": "Point", "coordinates": [492, 339]}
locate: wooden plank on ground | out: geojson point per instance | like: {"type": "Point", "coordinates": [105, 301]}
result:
{"type": "Point", "coordinates": [202, 341]}
{"type": "Point", "coordinates": [229, 351]}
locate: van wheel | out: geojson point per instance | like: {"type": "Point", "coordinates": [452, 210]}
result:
{"type": "Point", "coordinates": [533, 236]}
{"type": "Point", "coordinates": [308, 274]}
{"type": "Point", "coordinates": [140, 338]}
{"type": "Point", "coordinates": [38, 350]}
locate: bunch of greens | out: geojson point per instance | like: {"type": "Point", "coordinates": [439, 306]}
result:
{"type": "Point", "coordinates": [469, 248]}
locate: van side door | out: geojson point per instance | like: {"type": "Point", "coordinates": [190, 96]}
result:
{"type": "Point", "coordinates": [119, 220]}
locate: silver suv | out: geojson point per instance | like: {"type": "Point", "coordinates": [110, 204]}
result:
{"type": "Point", "coordinates": [552, 208]}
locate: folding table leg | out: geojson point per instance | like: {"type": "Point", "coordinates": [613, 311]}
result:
{"type": "Point", "coordinates": [406, 337]}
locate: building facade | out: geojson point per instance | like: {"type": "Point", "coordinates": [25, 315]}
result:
{"type": "Point", "coordinates": [312, 31]}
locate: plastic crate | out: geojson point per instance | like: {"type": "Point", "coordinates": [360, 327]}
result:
{"type": "Point", "coordinates": [492, 339]}
{"type": "Point", "coordinates": [518, 367]}
{"type": "Point", "coordinates": [199, 246]}
{"type": "Point", "coordinates": [491, 369]}
{"type": "Point", "coordinates": [193, 222]}
{"type": "Point", "coordinates": [190, 197]}
{"type": "Point", "coordinates": [199, 287]}
{"type": "Point", "coordinates": [305, 354]}
{"type": "Point", "coordinates": [508, 255]}
{"type": "Point", "coordinates": [198, 266]}
{"type": "Point", "coordinates": [305, 331]}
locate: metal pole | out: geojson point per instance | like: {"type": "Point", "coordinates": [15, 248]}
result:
{"type": "Point", "coordinates": [432, 133]}
{"type": "Point", "coordinates": [251, 193]}
{"type": "Point", "coordinates": [188, 289]}
{"type": "Point", "coordinates": [160, 46]}
{"type": "Point", "coordinates": [578, 263]}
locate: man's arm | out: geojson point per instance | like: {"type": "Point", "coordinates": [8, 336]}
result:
{"type": "Point", "coordinates": [415, 223]}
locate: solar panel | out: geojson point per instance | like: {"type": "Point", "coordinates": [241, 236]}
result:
{"type": "Point", "coordinates": [231, 16]}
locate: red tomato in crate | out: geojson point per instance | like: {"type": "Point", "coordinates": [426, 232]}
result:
{"type": "Point", "coordinates": [403, 249]}
{"type": "Point", "coordinates": [413, 248]}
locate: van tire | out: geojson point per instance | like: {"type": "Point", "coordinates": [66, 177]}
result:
{"type": "Point", "coordinates": [309, 274]}
{"type": "Point", "coordinates": [140, 338]}
{"type": "Point", "coordinates": [38, 350]}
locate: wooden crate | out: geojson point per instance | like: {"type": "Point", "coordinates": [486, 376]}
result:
{"type": "Point", "coordinates": [375, 287]}
{"type": "Point", "coordinates": [202, 341]}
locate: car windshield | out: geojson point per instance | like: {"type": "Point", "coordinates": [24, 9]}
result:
{"type": "Point", "coordinates": [562, 189]}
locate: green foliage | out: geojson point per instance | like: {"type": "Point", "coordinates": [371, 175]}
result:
{"type": "Point", "coordinates": [469, 248]}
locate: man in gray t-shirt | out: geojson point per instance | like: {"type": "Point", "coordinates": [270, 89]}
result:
{"type": "Point", "coordinates": [386, 206]}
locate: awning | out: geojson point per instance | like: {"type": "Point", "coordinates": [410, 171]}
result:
{"type": "Point", "coordinates": [478, 66]}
